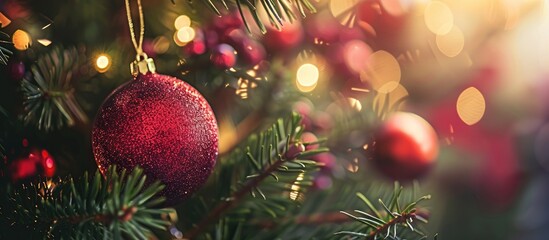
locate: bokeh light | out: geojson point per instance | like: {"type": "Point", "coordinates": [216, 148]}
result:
{"type": "Point", "coordinates": [182, 21]}
{"type": "Point", "coordinates": [307, 77]}
{"type": "Point", "coordinates": [438, 17]}
{"type": "Point", "coordinates": [356, 53]}
{"type": "Point", "coordinates": [471, 106]}
{"type": "Point", "coordinates": [21, 40]}
{"type": "Point", "coordinates": [382, 72]}
{"type": "Point", "coordinates": [44, 42]}
{"type": "Point", "coordinates": [184, 35]}
{"type": "Point", "coordinates": [102, 63]}
{"type": "Point", "coordinates": [342, 10]}
{"type": "Point", "coordinates": [451, 44]}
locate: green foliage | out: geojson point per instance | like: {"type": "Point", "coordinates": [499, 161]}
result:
{"type": "Point", "coordinates": [49, 100]}
{"type": "Point", "coordinates": [392, 222]}
{"type": "Point", "coordinates": [113, 207]}
{"type": "Point", "coordinates": [259, 180]}
{"type": "Point", "coordinates": [278, 11]}
{"type": "Point", "coordinates": [4, 52]}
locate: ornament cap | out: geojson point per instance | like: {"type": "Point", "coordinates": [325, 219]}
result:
{"type": "Point", "coordinates": [142, 65]}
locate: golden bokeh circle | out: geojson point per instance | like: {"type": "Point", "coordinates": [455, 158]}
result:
{"type": "Point", "coordinates": [21, 40]}
{"type": "Point", "coordinates": [471, 106]}
{"type": "Point", "coordinates": [382, 72]}
{"type": "Point", "coordinates": [438, 17]}
{"type": "Point", "coordinates": [452, 43]}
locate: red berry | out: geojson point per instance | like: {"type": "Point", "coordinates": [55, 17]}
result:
{"type": "Point", "coordinates": [406, 146]}
{"type": "Point", "coordinates": [223, 56]}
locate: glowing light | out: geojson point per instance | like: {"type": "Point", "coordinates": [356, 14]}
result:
{"type": "Point", "coordinates": [342, 10]}
{"type": "Point", "coordinates": [354, 104]}
{"type": "Point", "coordinates": [356, 55]}
{"type": "Point", "coordinates": [102, 63]}
{"type": "Point", "coordinates": [184, 35]}
{"type": "Point", "coordinates": [45, 42]}
{"type": "Point", "coordinates": [21, 40]}
{"type": "Point", "coordinates": [4, 21]}
{"type": "Point", "coordinates": [307, 77]}
{"type": "Point", "coordinates": [182, 21]}
{"type": "Point", "coordinates": [451, 44]}
{"type": "Point", "coordinates": [438, 17]}
{"type": "Point", "coordinates": [294, 194]}
{"type": "Point", "coordinates": [382, 72]}
{"type": "Point", "coordinates": [471, 106]}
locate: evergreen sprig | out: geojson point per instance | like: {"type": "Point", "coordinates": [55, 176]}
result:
{"type": "Point", "coordinates": [264, 178]}
{"type": "Point", "coordinates": [278, 11]}
{"type": "Point", "coordinates": [4, 52]}
{"type": "Point", "coordinates": [394, 221]}
{"type": "Point", "coordinates": [113, 207]}
{"type": "Point", "coordinates": [49, 99]}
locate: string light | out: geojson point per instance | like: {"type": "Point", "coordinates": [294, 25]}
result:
{"type": "Point", "coordinates": [21, 40]}
{"type": "Point", "coordinates": [44, 42]}
{"type": "Point", "coordinates": [307, 77]}
{"type": "Point", "coordinates": [184, 35]}
{"type": "Point", "coordinates": [182, 21]}
{"type": "Point", "coordinates": [103, 63]}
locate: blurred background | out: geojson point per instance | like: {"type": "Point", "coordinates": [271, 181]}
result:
{"type": "Point", "coordinates": [476, 70]}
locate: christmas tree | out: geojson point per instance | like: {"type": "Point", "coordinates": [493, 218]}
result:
{"type": "Point", "coordinates": [273, 119]}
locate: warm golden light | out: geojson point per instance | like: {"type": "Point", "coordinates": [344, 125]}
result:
{"type": "Point", "coordinates": [438, 17]}
{"type": "Point", "coordinates": [295, 194]}
{"type": "Point", "coordinates": [45, 42]}
{"type": "Point", "coordinates": [451, 44]}
{"type": "Point", "coordinates": [471, 106]}
{"type": "Point", "coordinates": [182, 21]}
{"type": "Point", "coordinates": [382, 72]}
{"type": "Point", "coordinates": [102, 63]}
{"type": "Point", "coordinates": [21, 40]}
{"type": "Point", "coordinates": [4, 21]}
{"type": "Point", "coordinates": [307, 77]}
{"type": "Point", "coordinates": [342, 9]}
{"type": "Point", "coordinates": [184, 35]}
{"type": "Point", "coordinates": [354, 104]}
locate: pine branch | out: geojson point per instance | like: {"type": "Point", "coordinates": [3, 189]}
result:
{"type": "Point", "coordinates": [388, 223]}
{"type": "Point", "coordinates": [4, 52]}
{"type": "Point", "coordinates": [117, 206]}
{"type": "Point", "coordinates": [268, 166]}
{"type": "Point", "coordinates": [49, 100]}
{"type": "Point", "coordinates": [278, 11]}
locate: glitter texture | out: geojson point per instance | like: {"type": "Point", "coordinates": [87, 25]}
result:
{"type": "Point", "coordinates": [163, 125]}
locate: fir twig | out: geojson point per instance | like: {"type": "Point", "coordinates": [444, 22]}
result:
{"type": "Point", "coordinates": [277, 153]}
{"type": "Point", "coordinates": [388, 222]}
{"type": "Point", "coordinates": [4, 52]}
{"type": "Point", "coordinates": [49, 99]}
{"type": "Point", "coordinates": [113, 207]}
{"type": "Point", "coordinates": [278, 11]}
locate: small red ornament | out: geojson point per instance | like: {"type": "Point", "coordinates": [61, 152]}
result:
{"type": "Point", "coordinates": [223, 56]}
{"type": "Point", "coordinates": [163, 125]}
{"type": "Point", "coordinates": [289, 37]}
{"type": "Point", "coordinates": [36, 163]}
{"type": "Point", "coordinates": [406, 146]}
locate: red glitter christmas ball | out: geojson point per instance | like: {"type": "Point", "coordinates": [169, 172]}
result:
{"type": "Point", "coordinates": [406, 146]}
{"type": "Point", "coordinates": [163, 125]}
